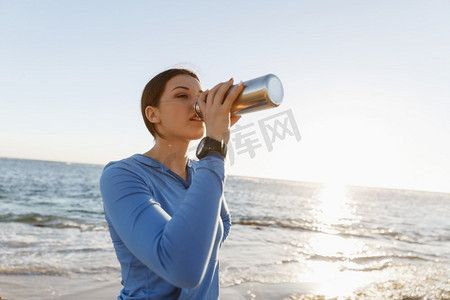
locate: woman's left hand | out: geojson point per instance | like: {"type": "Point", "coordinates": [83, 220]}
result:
{"type": "Point", "coordinates": [215, 106]}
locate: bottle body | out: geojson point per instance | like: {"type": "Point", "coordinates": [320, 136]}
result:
{"type": "Point", "coordinates": [259, 93]}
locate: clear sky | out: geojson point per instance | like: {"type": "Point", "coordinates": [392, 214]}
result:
{"type": "Point", "coordinates": [367, 83]}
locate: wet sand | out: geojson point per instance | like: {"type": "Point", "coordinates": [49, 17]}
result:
{"type": "Point", "coordinates": [37, 287]}
{"type": "Point", "coordinates": [40, 287]}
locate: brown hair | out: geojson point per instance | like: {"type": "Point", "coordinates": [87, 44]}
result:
{"type": "Point", "coordinates": [153, 91]}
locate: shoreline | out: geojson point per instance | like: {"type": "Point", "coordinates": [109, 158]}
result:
{"type": "Point", "coordinates": [40, 287]}
{"type": "Point", "coordinates": [47, 287]}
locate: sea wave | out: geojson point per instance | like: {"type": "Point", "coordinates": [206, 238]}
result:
{"type": "Point", "coordinates": [366, 263]}
{"type": "Point", "coordinates": [274, 222]}
{"type": "Point", "coordinates": [35, 270]}
{"type": "Point", "coordinates": [52, 221]}
{"type": "Point", "coordinates": [356, 230]}
{"type": "Point", "coordinates": [306, 225]}
{"type": "Point", "coordinates": [56, 271]}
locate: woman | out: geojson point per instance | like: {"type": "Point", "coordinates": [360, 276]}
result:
{"type": "Point", "coordinates": [166, 213]}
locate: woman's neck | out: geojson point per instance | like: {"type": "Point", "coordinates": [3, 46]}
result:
{"type": "Point", "coordinates": [173, 155]}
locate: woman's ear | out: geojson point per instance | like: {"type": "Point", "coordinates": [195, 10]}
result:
{"type": "Point", "coordinates": [152, 114]}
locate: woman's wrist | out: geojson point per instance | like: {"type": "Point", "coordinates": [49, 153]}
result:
{"type": "Point", "coordinates": [221, 137]}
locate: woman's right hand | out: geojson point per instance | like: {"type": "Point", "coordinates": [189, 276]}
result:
{"type": "Point", "coordinates": [215, 106]}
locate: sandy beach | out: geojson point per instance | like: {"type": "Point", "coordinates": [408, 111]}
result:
{"type": "Point", "coordinates": [34, 287]}
{"type": "Point", "coordinates": [44, 287]}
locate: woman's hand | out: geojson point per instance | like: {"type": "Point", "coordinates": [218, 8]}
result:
{"type": "Point", "coordinates": [215, 106]}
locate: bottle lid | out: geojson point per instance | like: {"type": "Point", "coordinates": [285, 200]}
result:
{"type": "Point", "coordinates": [275, 89]}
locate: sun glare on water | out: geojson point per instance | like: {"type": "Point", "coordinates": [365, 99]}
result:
{"type": "Point", "coordinates": [331, 251]}
{"type": "Point", "coordinates": [333, 205]}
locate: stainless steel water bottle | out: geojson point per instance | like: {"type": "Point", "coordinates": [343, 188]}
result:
{"type": "Point", "coordinates": [260, 93]}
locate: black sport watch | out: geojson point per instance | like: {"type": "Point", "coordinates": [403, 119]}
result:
{"type": "Point", "coordinates": [208, 145]}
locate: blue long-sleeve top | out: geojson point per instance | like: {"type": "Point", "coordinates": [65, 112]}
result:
{"type": "Point", "coordinates": [166, 231]}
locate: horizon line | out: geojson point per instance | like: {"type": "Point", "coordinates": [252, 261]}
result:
{"type": "Point", "coordinates": [256, 177]}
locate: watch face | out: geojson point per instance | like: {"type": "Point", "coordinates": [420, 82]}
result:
{"type": "Point", "coordinates": [200, 147]}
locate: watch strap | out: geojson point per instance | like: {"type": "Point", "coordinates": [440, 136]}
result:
{"type": "Point", "coordinates": [208, 145]}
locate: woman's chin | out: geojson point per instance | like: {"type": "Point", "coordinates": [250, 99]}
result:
{"type": "Point", "coordinates": [198, 134]}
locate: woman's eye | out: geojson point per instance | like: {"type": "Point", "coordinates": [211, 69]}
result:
{"type": "Point", "coordinates": [182, 96]}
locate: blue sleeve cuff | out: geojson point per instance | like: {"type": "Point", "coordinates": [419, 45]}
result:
{"type": "Point", "coordinates": [215, 162]}
{"type": "Point", "coordinates": [215, 154]}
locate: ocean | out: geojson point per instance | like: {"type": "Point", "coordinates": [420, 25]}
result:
{"type": "Point", "coordinates": [289, 240]}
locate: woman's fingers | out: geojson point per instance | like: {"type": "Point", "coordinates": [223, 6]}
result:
{"type": "Point", "coordinates": [222, 91]}
{"type": "Point", "coordinates": [233, 95]}
{"type": "Point", "coordinates": [217, 94]}
{"type": "Point", "coordinates": [216, 105]}
{"type": "Point", "coordinates": [213, 94]}
{"type": "Point", "coordinates": [202, 100]}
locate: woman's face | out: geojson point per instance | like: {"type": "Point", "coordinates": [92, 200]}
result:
{"type": "Point", "coordinates": [176, 109]}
